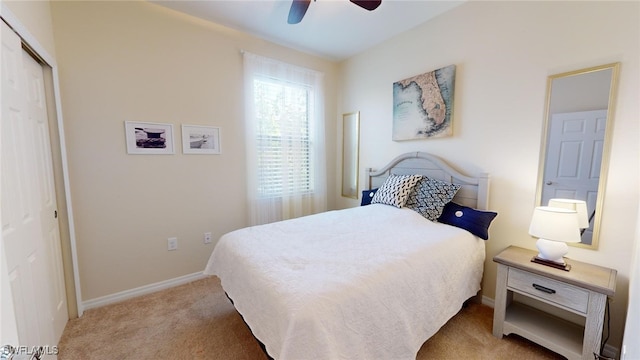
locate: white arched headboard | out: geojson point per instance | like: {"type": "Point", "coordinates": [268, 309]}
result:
{"type": "Point", "coordinates": [473, 193]}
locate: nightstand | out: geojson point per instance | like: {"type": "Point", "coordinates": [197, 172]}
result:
{"type": "Point", "coordinates": [582, 291]}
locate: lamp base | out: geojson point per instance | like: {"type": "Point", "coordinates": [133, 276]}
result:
{"type": "Point", "coordinates": [553, 264]}
{"type": "Point", "coordinates": [552, 250]}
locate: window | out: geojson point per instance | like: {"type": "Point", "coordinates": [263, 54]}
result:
{"type": "Point", "coordinates": [282, 138]}
{"type": "Point", "coordinates": [284, 119]}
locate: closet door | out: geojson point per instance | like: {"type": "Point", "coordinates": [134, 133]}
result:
{"type": "Point", "coordinates": [30, 233]}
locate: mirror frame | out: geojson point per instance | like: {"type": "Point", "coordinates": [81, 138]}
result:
{"type": "Point", "coordinates": [604, 166]}
{"type": "Point", "coordinates": [350, 126]}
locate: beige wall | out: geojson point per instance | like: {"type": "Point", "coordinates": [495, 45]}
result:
{"type": "Point", "coordinates": [504, 52]}
{"type": "Point", "coordinates": [36, 17]}
{"type": "Point", "coordinates": [136, 61]}
{"type": "Point", "coordinates": [632, 328]}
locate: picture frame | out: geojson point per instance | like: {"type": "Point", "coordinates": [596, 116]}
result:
{"type": "Point", "coordinates": [200, 139]}
{"type": "Point", "coordinates": [148, 138]}
{"type": "Point", "coordinates": [423, 105]}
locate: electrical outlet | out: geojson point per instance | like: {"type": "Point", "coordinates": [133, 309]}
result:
{"type": "Point", "coordinates": [172, 243]}
{"type": "Point", "coordinates": [207, 238]}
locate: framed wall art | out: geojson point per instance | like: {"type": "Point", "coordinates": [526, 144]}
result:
{"type": "Point", "coordinates": [197, 139]}
{"type": "Point", "coordinates": [423, 105]}
{"type": "Point", "coordinates": [145, 138]}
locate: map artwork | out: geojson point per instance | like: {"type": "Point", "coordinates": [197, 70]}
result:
{"type": "Point", "coordinates": [423, 105]}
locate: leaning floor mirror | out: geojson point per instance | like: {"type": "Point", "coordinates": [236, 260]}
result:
{"type": "Point", "coordinates": [576, 141]}
{"type": "Point", "coordinates": [350, 154]}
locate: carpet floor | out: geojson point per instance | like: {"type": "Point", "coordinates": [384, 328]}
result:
{"type": "Point", "coordinates": [196, 321]}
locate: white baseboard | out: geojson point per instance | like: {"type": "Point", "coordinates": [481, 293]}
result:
{"type": "Point", "coordinates": [142, 290]}
{"type": "Point", "coordinates": [488, 301]}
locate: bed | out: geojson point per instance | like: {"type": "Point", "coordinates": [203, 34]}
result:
{"type": "Point", "coordinates": [371, 282]}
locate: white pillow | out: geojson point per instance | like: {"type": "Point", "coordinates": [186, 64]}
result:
{"type": "Point", "coordinates": [395, 190]}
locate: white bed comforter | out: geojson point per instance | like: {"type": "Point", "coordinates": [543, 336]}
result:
{"type": "Point", "coordinates": [371, 282]}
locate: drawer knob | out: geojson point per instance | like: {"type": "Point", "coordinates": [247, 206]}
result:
{"type": "Point", "coordinates": [544, 289]}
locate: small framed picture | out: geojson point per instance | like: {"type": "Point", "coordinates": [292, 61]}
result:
{"type": "Point", "coordinates": [198, 139]}
{"type": "Point", "coordinates": [149, 138]}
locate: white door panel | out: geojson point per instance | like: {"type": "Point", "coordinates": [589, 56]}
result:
{"type": "Point", "coordinates": [19, 224]}
{"type": "Point", "coordinates": [30, 232]}
{"type": "Point", "coordinates": [577, 141]}
{"type": "Point", "coordinates": [37, 110]}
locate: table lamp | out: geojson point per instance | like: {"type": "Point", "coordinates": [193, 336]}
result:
{"type": "Point", "coordinates": [579, 206]}
{"type": "Point", "coordinates": [554, 227]}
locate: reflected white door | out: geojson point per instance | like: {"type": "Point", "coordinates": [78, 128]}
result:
{"type": "Point", "coordinates": [574, 156]}
{"type": "Point", "coordinates": [30, 233]}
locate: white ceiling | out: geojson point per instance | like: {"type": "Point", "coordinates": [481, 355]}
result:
{"type": "Point", "coordinates": [334, 29]}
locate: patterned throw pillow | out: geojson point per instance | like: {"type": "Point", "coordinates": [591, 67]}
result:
{"type": "Point", "coordinates": [395, 190]}
{"type": "Point", "coordinates": [429, 197]}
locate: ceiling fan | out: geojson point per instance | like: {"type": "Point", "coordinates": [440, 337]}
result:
{"type": "Point", "coordinates": [299, 8]}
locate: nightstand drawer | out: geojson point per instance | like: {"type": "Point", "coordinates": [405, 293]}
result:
{"type": "Point", "coordinates": [569, 296]}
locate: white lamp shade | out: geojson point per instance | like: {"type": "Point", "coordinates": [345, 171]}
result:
{"type": "Point", "coordinates": [556, 224]}
{"type": "Point", "coordinates": [580, 206]}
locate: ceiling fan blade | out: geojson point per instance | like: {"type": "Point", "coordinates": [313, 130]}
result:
{"type": "Point", "coordinates": [297, 11]}
{"type": "Point", "coordinates": [367, 4]}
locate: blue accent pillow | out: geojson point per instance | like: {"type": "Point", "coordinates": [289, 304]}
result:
{"type": "Point", "coordinates": [475, 221]}
{"type": "Point", "coordinates": [367, 195]}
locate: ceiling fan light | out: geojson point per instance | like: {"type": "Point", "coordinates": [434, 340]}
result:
{"type": "Point", "coordinates": [367, 4]}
